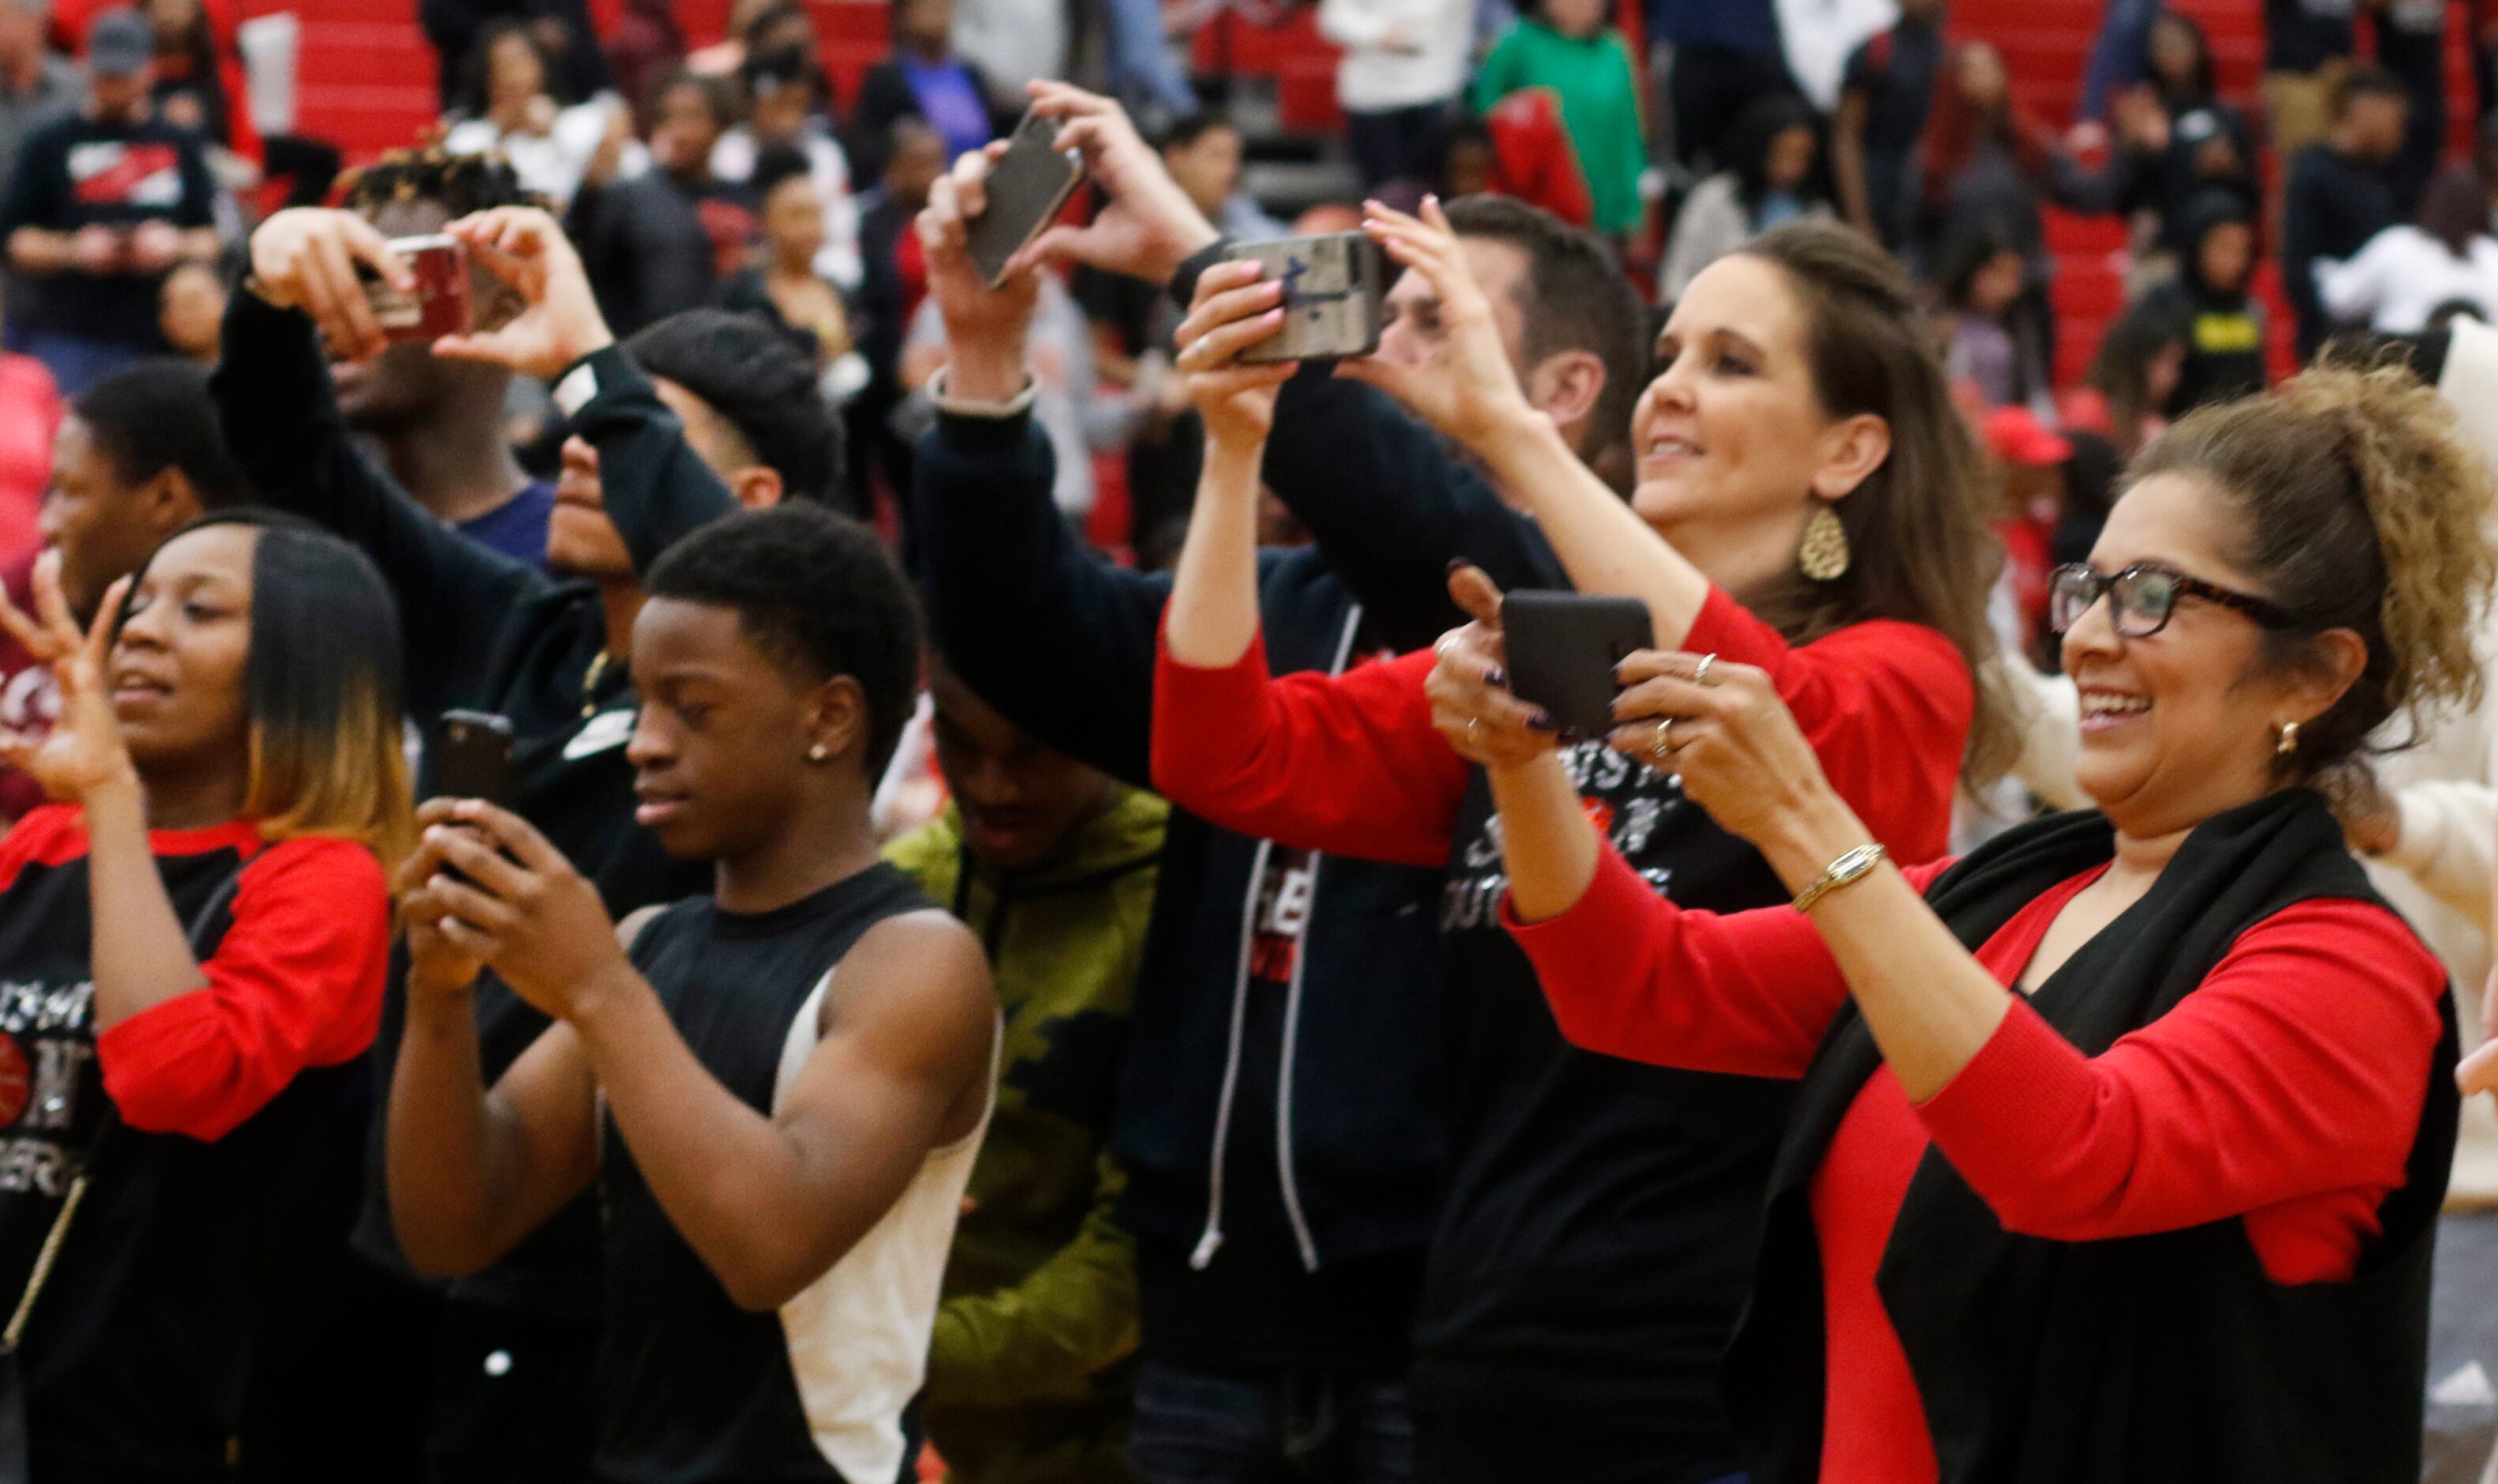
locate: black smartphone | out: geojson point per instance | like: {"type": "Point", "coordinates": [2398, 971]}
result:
{"type": "Point", "coordinates": [1563, 648]}
{"type": "Point", "coordinates": [472, 759]}
{"type": "Point", "coordinates": [1026, 186]}
{"type": "Point", "coordinates": [1334, 288]}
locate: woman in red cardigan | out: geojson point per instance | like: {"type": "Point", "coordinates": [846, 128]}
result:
{"type": "Point", "coordinates": [1803, 502]}
{"type": "Point", "coordinates": [2119, 1141]}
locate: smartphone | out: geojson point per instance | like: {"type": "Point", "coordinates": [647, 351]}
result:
{"type": "Point", "coordinates": [1563, 648]}
{"type": "Point", "coordinates": [472, 759]}
{"type": "Point", "coordinates": [438, 304]}
{"type": "Point", "coordinates": [1026, 187]}
{"type": "Point", "coordinates": [1333, 290]}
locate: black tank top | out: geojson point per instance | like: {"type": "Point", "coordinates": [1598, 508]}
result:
{"type": "Point", "coordinates": [690, 1387]}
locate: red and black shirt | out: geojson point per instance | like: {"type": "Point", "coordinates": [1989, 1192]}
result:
{"type": "Point", "coordinates": [137, 1353]}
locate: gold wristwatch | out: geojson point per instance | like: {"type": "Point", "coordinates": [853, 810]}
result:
{"type": "Point", "coordinates": [1854, 866]}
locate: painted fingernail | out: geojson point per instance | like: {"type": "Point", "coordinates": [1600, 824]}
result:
{"type": "Point", "coordinates": [1542, 722]}
{"type": "Point", "coordinates": [1496, 676]}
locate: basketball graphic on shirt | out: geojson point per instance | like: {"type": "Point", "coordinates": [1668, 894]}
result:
{"type": "Point", "coordinates": [15, 1083]}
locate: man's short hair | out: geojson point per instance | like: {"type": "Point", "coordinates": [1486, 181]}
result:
{"type": "Point", "coordinates": [1572, 297]}
{"type": "Point", "coordinates": [158, 415]}
{"type": "Point", "coordinates": [718, 94]}
{"type": "Point", "coordinates": [816, 591]}
{"type": "Point", "coordinates": [751, 374]}
{"type": "Point", "coordinates": [1182, 133]}
{"type": "Point", "coordinates": [459, 184]}
{"type": "Point", "coordinates": [2366, 80]}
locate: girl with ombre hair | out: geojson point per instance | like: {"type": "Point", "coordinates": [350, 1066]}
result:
{"type": "Point", "coordinates": [192, 947]}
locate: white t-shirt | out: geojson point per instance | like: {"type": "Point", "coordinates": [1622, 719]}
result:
{"type": "Point", "coordinates": [2403, 275]}
{"type": "Point", "coordinates": [1428, 66]}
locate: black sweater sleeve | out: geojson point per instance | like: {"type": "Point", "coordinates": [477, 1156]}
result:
{"type": "Point", "coordinates": [654, 488]}
{"type": "Point", "coordinates": [1392, 507]}
{"type": "Point", "coordinates": [1060, 640]}
{"type": "Point", "coordinates": [280, 416]}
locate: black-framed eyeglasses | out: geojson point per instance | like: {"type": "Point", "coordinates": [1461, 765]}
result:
{"type": "Point", "coordinates": [2142, 597]}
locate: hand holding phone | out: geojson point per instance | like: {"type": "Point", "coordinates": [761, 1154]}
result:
{"type": "Point", "coordinates": [1025, 187]}
{"type": "Point", "coordinates": [438, 303]}
{"type": "Point", "coordinates": [1333, 295]}
{"type": "Point", "coordinates": [1563, 648]}
{"type": "Point", "coordinates": [473, 758]}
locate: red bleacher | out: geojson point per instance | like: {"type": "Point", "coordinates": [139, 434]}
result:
{"type": "Point", "coordinates": [2046, 47]}
{"type": "Point", "coordinates": [366, 80]}
{"type": "Point", "coordinates": [366, 73]}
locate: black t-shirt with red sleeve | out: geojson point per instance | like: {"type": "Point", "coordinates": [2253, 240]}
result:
{"type": "Point", "coordinates": [138, 1351]}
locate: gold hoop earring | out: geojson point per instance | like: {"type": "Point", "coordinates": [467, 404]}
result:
{"type": "Point", "coordinates": [2288, 742]}
{"type": "Point", "coordinates": [1824, 555]}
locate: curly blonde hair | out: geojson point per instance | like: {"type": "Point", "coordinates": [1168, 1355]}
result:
{"type": "Point", "coordinates": [2368, 510]}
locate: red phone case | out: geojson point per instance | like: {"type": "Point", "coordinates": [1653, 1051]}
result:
{"type": "Point", "coordinates": [440, 304]}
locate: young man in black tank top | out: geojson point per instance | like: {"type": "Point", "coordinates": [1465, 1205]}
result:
{"type": "Point", "coordinates": [775, 1076]}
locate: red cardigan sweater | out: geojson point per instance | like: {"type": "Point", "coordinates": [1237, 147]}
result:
{"type": "Point", "coordinates": [1350, 766]}
{"type": "Point", "coordinates": [2285, 1090]}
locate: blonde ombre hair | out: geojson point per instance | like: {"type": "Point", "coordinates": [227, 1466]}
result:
{"type": "Point", "coordinates": [322, 689]}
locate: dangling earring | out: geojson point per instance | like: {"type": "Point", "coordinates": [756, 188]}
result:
{"type": "Point", "coordinates": [1823, 557]}
{"type": "Point", "coordinates": [2288, 742]}
{"type": "Point", "coordinates": [818, 753]}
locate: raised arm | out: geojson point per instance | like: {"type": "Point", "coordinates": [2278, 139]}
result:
{"type": "Point", "coordinates": [1375, 485]}
{"type": "Point", "coordinates": [1213, 614]}
{"type": "Point", "coordinates": [654, 486]}
{"type": "Point", "coordinates": [280, 417]}
{"type": "Point", "coordinates": [1391, 506]}
{"type": "Point", "coordinates": [768, 1201]}
{"type": "Point", "coordinates": [1057, 637]}
{"type": "Point", "coordinates": [1471, 395]}
{"type": "Point", "coordinates": [1307, 761]}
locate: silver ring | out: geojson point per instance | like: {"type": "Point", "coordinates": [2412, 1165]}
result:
{"type": "Point", "coordinates": [1700, 671]}
{"type": "Point", "coordinates": [1663, 746]}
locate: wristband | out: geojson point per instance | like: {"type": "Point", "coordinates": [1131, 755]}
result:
{"type": "Point", "coordinates": [1013, 406]}
{"type": "Point", "coordinates": [1852, 867]}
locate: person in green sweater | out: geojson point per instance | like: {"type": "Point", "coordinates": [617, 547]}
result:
{"type": "Point", "coordinates": [1567, 46]}
{"type": "Point", "coordinates": [1054, 866]}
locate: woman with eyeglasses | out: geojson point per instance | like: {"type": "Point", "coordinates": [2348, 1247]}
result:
{"type": "Point", "coordinates": [2118, 1144]}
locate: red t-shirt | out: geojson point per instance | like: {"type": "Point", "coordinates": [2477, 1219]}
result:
{"type": "Point", "coordinates": [2285, 1090]}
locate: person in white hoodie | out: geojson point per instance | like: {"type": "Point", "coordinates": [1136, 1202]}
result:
{"type": "Point", "coordinates": [2427, 832]}
{"type": "Point", "coordinates": [1405, 63]}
